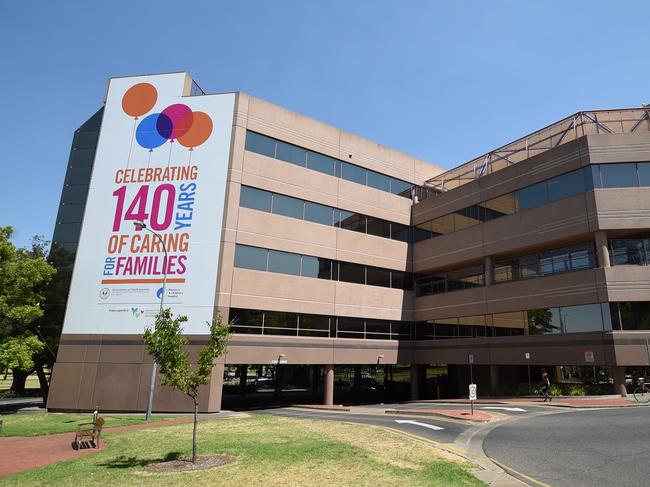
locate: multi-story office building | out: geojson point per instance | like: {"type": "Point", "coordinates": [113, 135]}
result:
{"type": "Point", "coordinates": [326, 250]}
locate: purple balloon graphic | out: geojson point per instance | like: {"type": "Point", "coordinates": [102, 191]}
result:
{"type": "Point", "coordinates": [153, 130]}
{"type": "Point", "coordinates": [181, 117]}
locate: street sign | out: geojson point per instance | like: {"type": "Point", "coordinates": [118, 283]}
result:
{"type": "Point", "coordinates": [589, 355]}
{"type": "Point", "coordinates": [282, 361]}
{"type": "Point", "coordinates": [470, 358]}
{"type": "Point", "coordinates": [527, 355]}
{"type": "Point", "coordinates": [472, 392]}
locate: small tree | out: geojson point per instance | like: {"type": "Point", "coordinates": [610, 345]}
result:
{"type": "Point", "coordinates": [165, 344]}
{"type": "Point", "coordinates": [23, 275]}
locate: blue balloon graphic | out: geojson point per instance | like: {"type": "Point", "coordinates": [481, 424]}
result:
{"type": "Point", "coordinates": [153, 130]}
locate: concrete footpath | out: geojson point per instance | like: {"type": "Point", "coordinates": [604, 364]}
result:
{"type": "Point", "coordinates": [558, 401]}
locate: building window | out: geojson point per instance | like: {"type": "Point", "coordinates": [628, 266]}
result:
{"type": "Point", "coordinates": [284, 262]}
{"type": "Point", "coordinates": [248, 257]}
{"type": "Point", "coordinates": [619, 175]}
{"type": "Point", "coordinates": [254, 198]}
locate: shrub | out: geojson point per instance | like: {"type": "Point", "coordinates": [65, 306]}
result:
{"type": "Point", "coordinates": [577, 390]}
{"type": "Point", "coordinates": [555, 390]}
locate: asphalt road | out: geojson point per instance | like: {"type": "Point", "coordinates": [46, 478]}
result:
{"type": "Point", "coordinates": [451, 432]}
{"type": "Point", "coordinates": [605, 447]}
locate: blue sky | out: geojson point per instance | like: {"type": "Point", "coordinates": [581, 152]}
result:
{"type": "Point", "coordinates": [443, 81]}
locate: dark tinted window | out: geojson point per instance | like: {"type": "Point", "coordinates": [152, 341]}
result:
{"type": "Point", "coordinates": [400, 187]}
{"type": "Point", "coordinates": [310, 267]}
{"type": "Point", "coordinates": [287, 206]}
{"type": "Point", "coordinates": [78, 175]}
{"type": "Point", "coordinates": [316, 267]}
{"type": "Point", "coordinates": [379, 181]}
{"type": "Point", "coordinates": [349, 272]}
{"type": "Point", "coordinates": [399, 232]}
{"type": "Point", "coordinates": [284, 262]}
{"type": "Point", "coordinates": [378, 227]}
{"type": "Point", "coordinates": [68, 232]}
{"type": "Point", "coordinates": [74, 194]}
{"type": "Point", "coordinates": [255, 198]}
{"type": "Point", "coordinates": [422, 232]}
{"type": "Point", "coordinates": [250, 257]}
{"type": "Point", "coordinates": [635, 315]}
{"type": "Point", "coordinates": [82, 157]}
{"type": "Point", "coordinates": [532, 196]}
{"type": "Point", "coordinates": [352, 221]}
{"type": "Point", "coordinates": [313, 325]}
{"type": "Point", "coordinates": [71, 213]}
{"type": "Point", "coordinates": [328, 269]}
{"type": "Point", "coordinates": [317, 213]}
{"type": "Point", "coordinates": [582, 318]}
{"type": "Point", "coordinates": [566, 185]}
{"type": "Point", "coordinates": [245, 317]}
{"type": "Point", "coordinates": [291, 153]}
{"type": "Point", "coordinates": [353, 173]}
{"type": "Point", "coordinates": [320, 163]}
{"type": "Point", "coordinates": [280, 319]}
{"type": "Point", "coordinates": [378, 277]}
{"type": "Point", "coordinates": [350, 328]}
{"type": "Point", "coordinates": [260, 144]}
{"type": "Point", "coordinates": [644, 173]}
{"type": "Point", "coordinates": [401, 280]}
{"type": "Point", "coordinates": [377, 329]}
{"type": "Point", "coordinates": [593, 176]}
{"type": "Point", "coordinates": [619, 175]}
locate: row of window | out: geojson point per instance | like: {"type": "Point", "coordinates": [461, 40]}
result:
{"type": "Point", "coordinates": [553, 189]}
{"type": "Point", "coordinates": [262, 200]}
{"type": "Point", "coordinates": [594, 317]}
{"type": "Point", "coordinates": [575, 182]}
{"type": "Point", "coordinates": [295, 324]}
{"type": "Point", "coordinates": [267, 146]}
{"type": "Point", "coordinates": [567, 259]}
{"type": "Point", "coordinates": [261, 259]}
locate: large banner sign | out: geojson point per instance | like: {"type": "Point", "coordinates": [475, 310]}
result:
{"type": "Point", "coordinates": [161, 159]}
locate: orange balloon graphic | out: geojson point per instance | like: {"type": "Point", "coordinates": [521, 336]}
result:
{"type": "Point", "coordinates": [139, 99]}
{"type": "Point", "coordinates": [198, 133]}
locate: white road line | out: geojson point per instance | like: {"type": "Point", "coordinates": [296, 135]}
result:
{"type": "Point", "coordinates": [417, 423]}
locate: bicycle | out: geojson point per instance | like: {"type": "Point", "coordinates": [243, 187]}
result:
{"type": "Point", "coordinates": [642, 392]}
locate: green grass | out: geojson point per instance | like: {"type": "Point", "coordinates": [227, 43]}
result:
{"type": "Point", "coordinates": [50, 423]}
{"type": "Point", "coordinates": [271, 451]}
{"type": "Point", "coordinates": [31, 383]}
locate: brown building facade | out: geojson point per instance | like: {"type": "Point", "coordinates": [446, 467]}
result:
{"type": "Point", "coordinates": [339, 252]}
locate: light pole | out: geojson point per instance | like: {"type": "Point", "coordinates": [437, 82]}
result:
{"type": "Point", "coordinates": [152, 384]}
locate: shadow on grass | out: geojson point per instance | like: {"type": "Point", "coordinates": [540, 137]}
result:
{"type": "Point", "coordinates": [129, 462]}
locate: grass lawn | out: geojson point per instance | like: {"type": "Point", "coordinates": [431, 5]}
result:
{"type": "Point", "coordinates": [271, 451]}
{"type": "Point", "coordinates": [49, 423]}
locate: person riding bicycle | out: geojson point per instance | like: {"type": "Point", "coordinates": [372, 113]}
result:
{"type": "Point", "coordinates": [546, 386]}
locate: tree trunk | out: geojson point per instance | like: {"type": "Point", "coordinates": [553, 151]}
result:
{"type": "Point", "coordinates": [19, 379]}
{"type": "Point", "coordinates": [42, 379]}
{"type": "Point", "coordinates": [196, 421]}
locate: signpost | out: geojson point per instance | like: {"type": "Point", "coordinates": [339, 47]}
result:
{"type": "Point", "coordinates": [472, 386]}
{"type": "Point", "coordinates": [472, 396]}
{"type": "Point", "coordinates": [530, 386]}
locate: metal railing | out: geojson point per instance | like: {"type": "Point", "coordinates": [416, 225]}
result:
{"type": "Point", "coordinates": [619, 121]}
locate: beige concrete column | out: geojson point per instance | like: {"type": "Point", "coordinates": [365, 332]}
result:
{"type": "Point", "coordinates": [618, 374]}
{"type": "Point", "coordinates": [487, 269]}
{"type": "Point", "coordinates": [602, 249]}
{"type": "Point", "coordinates": [329, 386]}
{"type": "Point", "coordinates": [415, 379]}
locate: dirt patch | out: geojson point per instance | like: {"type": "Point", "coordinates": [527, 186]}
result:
{"type": "Point", "coordinates": [184, 465]}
